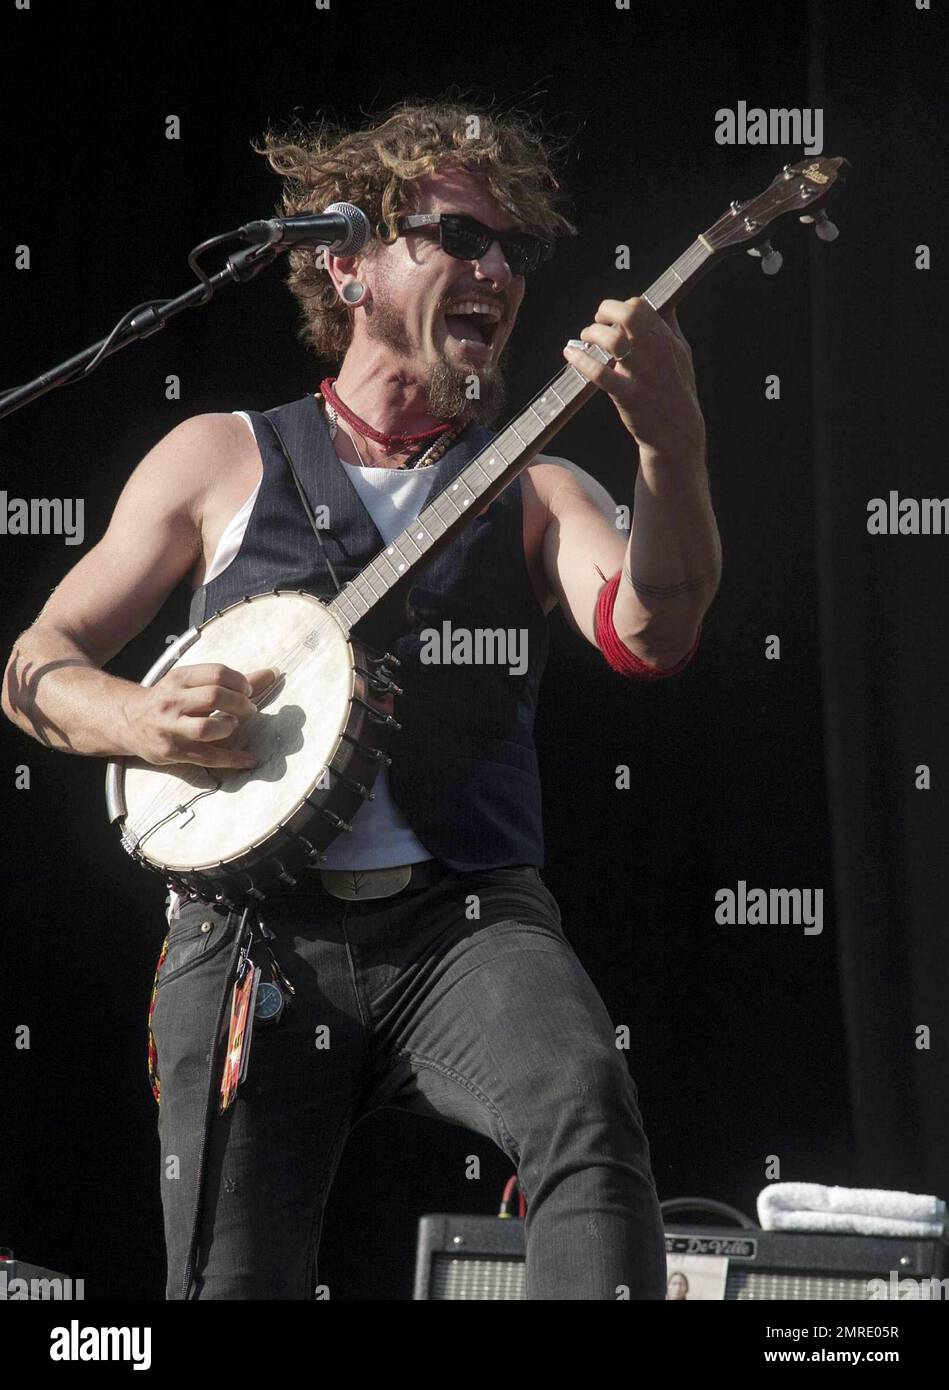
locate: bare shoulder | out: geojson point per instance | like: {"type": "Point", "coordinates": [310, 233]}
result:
{"type": "Point", "coordinates": [221, 459]}
{"type": "Point", "coordinates": [216, 451]}
{"type": "Point", "coordinates": [208, 433]}
{"type": "Point", "coordinates": [184, 469]}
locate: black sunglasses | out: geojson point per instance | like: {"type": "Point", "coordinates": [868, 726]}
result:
{"type": "Point", "coordinates": [467, 239]}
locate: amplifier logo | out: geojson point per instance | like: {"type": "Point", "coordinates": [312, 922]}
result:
{"type": "Point", "coordinates": [739, 1247]}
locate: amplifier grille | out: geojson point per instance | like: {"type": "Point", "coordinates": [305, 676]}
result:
{"type": "Point", "coordinates": [457, 1276]}
{"type": "Point", "coordinates": [750, 1284]}
{"type": "Point", "coordinates": [461, 1277]}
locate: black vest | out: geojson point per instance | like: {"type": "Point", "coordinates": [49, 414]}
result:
{"type": "Point", "coordinates": [464, 768]}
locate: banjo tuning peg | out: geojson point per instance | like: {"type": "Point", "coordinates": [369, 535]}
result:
{"type": "Point", "coordinates": [771, 260]}
{"type": "Point", "coordinates": [383, 683]}
{"type": "Point", "coordinates": [825, 229]}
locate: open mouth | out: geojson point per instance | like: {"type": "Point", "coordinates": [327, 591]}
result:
{"type": "Point", "coordinates": [470, 322]}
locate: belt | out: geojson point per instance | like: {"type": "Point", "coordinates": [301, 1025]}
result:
{"type": "Point", "coordinates": [358, 885]}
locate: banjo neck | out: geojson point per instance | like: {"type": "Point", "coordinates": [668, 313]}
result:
{"type": "Point", "coordinates": [495, 467]}
{"type": "Point", "coordinates": [799, 188]}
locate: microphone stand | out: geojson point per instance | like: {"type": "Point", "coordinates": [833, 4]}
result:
{"type": "Point", "coordinates": [147, 319]}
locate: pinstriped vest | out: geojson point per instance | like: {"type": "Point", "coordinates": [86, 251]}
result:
{"type": "Point", "coordinates": [464, 768]}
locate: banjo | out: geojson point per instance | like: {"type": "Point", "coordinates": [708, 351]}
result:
{"type": "Point", "coordinates": [323, 728]}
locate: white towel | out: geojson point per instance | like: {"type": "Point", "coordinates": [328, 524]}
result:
{"type": "Point", "coordinates": [865, 1211]}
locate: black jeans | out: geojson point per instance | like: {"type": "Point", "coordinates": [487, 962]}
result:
{"type": "Point", "coordinates": [463, 1001]}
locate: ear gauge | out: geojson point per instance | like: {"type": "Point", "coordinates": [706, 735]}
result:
{"type": "Point", "coordinates": [353, 293]}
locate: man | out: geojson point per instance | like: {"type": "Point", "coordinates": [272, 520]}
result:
{"type": "Point", "coordinates": [427, 959]}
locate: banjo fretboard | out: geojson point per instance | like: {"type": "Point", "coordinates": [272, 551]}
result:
{"type": "Point", "coordinates": [798, 188]}
{"type": "Point", "coordinates": [498, 464]}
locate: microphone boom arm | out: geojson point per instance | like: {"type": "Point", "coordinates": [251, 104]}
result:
{"type": "Point", "coordinates": [146, 319]}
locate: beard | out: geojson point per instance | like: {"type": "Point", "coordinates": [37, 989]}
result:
{"type": "Point", "coordinates": [449, 387]}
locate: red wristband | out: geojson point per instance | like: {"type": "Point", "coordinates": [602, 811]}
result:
{"type": "Point", "coordinates": [618, 655]}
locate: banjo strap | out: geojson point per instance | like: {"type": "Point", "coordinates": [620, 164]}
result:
{"type": "Point", "coordinates": [303, 498]}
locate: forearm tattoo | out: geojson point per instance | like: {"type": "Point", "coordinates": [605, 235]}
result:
{"type": "Point", "coordinates": [689, 586]}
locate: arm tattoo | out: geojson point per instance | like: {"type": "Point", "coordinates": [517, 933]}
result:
{"type": "Point", "coordinates": [689, 586]}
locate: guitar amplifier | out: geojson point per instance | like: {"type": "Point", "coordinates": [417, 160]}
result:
{"type": "Point", "coordinates": [482, 1258]}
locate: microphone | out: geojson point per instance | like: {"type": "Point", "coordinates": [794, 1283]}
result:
{"type": "Point", "coordinates": [343, 228]}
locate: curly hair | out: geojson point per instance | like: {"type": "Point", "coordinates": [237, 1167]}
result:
{"type": "Point", "coordinates": [375, 167]}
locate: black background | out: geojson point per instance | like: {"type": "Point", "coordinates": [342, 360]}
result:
{"type": "Point", "coordinates": [748, 1042]}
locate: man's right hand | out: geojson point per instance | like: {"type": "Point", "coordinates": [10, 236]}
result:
{"type": "Point", "coordinates": [171, 721]}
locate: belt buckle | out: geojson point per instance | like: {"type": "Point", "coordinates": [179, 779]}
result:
{"type": "Point", "coordinates": [357, 885]}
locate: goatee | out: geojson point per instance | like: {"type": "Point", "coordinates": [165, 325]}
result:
{"type": "Point", "coordinates": [451, 392]}
{"type": "Point", "coordinates": [456, 394]}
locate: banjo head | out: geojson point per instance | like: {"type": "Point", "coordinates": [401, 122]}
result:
{"type": "Point", "coordinates": [184, 817]}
